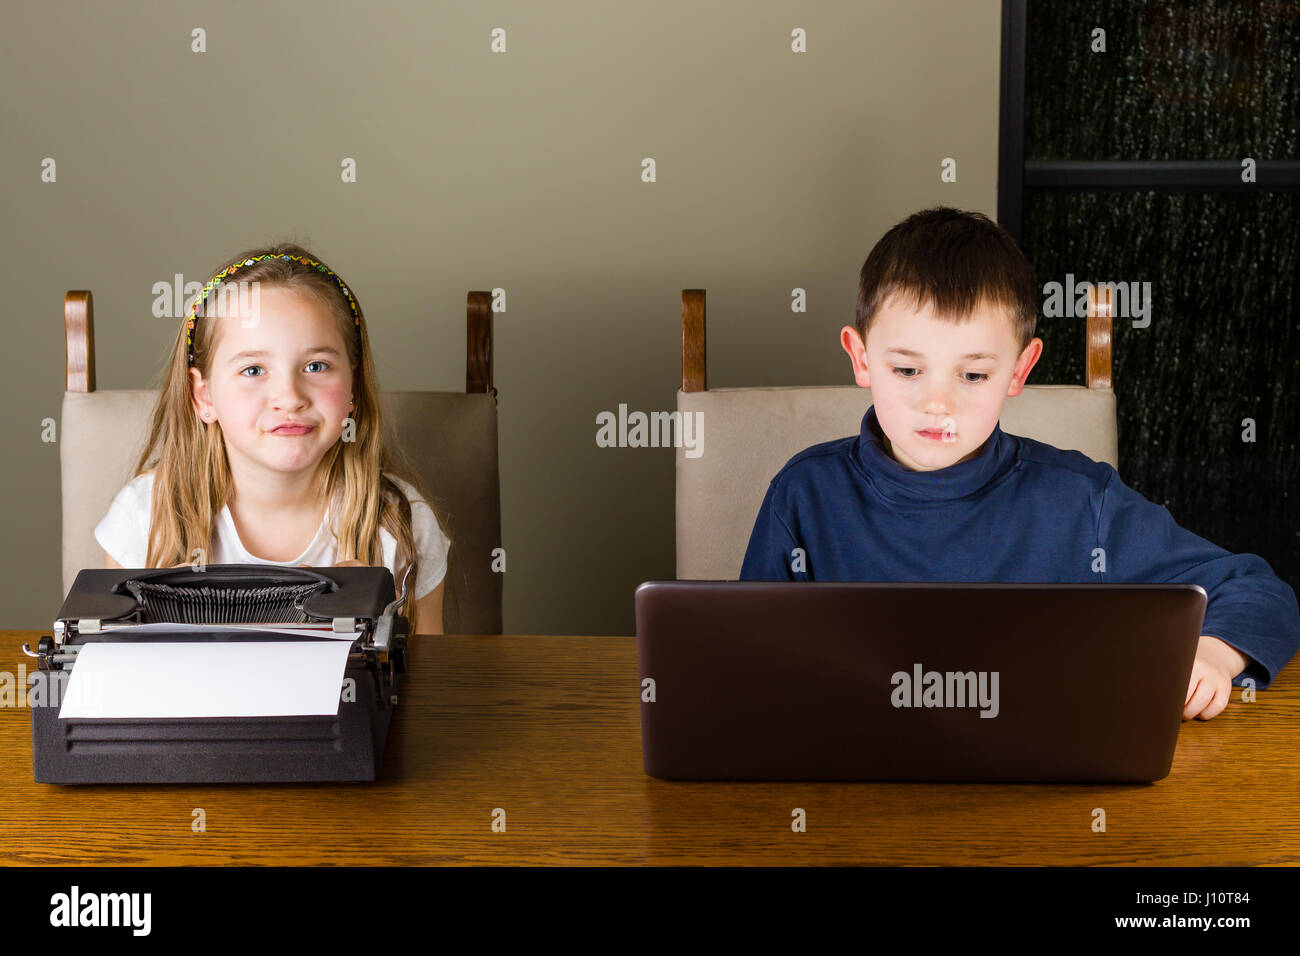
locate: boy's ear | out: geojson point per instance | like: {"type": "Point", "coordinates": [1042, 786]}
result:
{"type": "Point", "coordinates": [852, 343]}
{"type": "Point", "coordinates": [1028, 359]}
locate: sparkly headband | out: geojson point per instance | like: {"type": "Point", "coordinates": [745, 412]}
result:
{"type": "Point", "coordinates": [230, 270]}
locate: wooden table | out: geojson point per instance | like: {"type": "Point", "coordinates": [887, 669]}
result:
{"type": "Point", "coordinates": [547, 729]}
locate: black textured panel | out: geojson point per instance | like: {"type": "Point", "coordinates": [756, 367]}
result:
{"type": "Point", "coordinates": [1223, 345]}
{"type": "Point", "coordinates": [1203, 79]}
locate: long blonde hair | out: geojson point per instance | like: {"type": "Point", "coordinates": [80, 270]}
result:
{"type": "Point", "coordinates": [192, 478]}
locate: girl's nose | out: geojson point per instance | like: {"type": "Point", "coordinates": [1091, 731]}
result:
{"type": "Point", "coordinates": [289, 394]}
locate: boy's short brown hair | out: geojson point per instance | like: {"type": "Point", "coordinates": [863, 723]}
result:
{"type": "Point", "coordinates": [954, 260]}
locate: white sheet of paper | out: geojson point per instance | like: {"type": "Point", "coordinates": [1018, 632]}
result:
{"type": "Point", "coordinates": [166, 628]}
{"type": "Point", "coordinates": [206, 679]}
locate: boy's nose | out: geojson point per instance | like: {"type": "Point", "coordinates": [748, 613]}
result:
{"type": "Point", "coordinates": [939, 403]}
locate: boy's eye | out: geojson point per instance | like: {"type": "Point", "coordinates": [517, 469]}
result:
{"type": "Point", "coordinates": [979, 376]}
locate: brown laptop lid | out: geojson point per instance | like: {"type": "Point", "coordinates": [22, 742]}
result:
{"type": "Point", "coordinates": [819, 681]}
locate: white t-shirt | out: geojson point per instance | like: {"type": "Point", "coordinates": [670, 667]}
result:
{"type": "Point", "coordinates": [124, 534]}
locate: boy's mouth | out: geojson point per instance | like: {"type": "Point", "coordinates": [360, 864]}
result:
{"type": "Point", "coordinates": [935, 434]}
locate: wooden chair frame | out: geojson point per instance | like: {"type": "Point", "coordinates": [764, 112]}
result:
{"type": "Point", "coordinates": [695, 365]}
{"type": "Point", "coordinates": [79, 328]}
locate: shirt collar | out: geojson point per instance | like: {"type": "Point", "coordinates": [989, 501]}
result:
{"type": "Point", "coordinates": [894, 480]}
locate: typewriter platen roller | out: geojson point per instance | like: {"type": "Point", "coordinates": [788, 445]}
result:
{"type": "Point", "coordinates": [301, 604]}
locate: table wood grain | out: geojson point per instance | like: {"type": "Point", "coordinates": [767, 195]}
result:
{"type": "Point", "coordinates": [547, 729]}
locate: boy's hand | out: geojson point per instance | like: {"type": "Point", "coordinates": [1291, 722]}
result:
{"type": "Point", "coordinates": [1211, 685]}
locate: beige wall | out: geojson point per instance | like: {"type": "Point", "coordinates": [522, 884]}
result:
{"type": "Point", "coordinates": [476, 171]}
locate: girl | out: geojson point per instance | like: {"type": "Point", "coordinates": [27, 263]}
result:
{"type": "Point", "coordinates": [268, 443]}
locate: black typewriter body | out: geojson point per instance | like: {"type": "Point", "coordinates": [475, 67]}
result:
{"type": "Point", "coordinates": [344, 747]}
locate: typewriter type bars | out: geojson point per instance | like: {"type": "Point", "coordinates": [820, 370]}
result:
{"type": "Point", "coordinates": [272, 604]}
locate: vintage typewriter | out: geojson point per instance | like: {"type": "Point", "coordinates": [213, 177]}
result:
{"type": "Point", "coordinates": [299, 604]}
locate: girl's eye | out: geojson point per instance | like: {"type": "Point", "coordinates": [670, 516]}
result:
{"type": "Point", "coordinates": [316, 362]}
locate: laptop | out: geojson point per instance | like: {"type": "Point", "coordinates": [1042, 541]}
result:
{"type": "Point", "coordinates": [748, 680]}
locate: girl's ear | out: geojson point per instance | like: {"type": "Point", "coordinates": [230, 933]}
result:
{"type": "Point", "coordinates": [198, 392]}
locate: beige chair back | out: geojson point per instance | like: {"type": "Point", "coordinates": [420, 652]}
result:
{"type": "Point", "coordinates": [750, 433]}
{"type": "Point", "coordinates": [450, 437]}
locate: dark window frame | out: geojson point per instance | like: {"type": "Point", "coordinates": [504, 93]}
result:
{"type": "Point", "coordinates": [1016, 176]}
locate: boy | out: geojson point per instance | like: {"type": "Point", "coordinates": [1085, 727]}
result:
{"type": "Point", "coordinates": [933, 490]}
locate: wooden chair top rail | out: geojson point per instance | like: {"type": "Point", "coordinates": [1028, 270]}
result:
{"type": "Point", "coordinates": [695, 365]}
{"type": "Point", "coordinates": [79, 328]}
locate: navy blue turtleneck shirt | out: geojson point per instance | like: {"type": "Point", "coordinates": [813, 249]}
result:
{"type": "Point", "coordinates": [1020, 510]}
